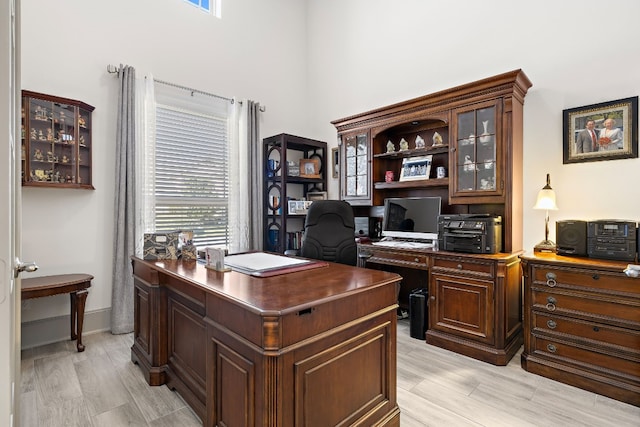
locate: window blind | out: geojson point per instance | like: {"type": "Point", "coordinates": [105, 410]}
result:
{"type": "Point", "coordinates": [191, 174]}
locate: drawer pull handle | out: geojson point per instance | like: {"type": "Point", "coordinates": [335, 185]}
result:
{"type": "Point", "coordinates": [416, 259]}
{"type": "Point", "coordinates": [596, 329]}
{"type": "Point", "coordinates": [551, 280]}
{"type": "Point", "coordinates": [551, 304]}
{"type": "Point", "coordinates": [552, 348]}
{"type": "Point", "coordinates": [595, 277]}
{"type": "Point", "coordinates": [551, 324]}
{"type": "Point", "coordinates": [459, 266]}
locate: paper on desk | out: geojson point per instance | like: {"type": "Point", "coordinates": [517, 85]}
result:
{"type": "Point", "coordinates": [260, 261]}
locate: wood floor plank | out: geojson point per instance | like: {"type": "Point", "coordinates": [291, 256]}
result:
{"type": "Point", "coordinates": [102, 390]}
{"type": "Point", "coordinates": [57, 382]}
{"type": "Point", "coordinates": [125, 415]}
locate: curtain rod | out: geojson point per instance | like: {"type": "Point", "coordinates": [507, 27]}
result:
{"type": "Point", "coordinates": [112, 69]}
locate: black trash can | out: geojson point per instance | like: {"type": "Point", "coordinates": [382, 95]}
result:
{"type": "Point", "coordinates": [418, 313]}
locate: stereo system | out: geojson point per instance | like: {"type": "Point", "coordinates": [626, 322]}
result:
{"type": "Point", "coordinates": [605, 238]}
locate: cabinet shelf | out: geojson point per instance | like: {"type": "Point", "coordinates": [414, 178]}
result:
{"type": "Point", "coordinates": [414, 152]}
{"type": "Point", "coordinates": [422, 183]}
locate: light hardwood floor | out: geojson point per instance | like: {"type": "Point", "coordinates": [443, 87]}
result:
{"type": "Point", "coordinates": [101, 387]}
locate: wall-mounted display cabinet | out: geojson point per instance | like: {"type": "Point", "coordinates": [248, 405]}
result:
{"type": "Point", "coordinates": [56, 142]}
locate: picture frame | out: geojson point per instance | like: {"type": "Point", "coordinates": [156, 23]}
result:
{"type": "Point", "coordinates": [298, 207]}
{"type": "Point", "coordinates": [416, 168]}
{"type": "Point", "coordinates": [615, 127]}
{"type": "Point", "coordinates": [310, 168]}
{"type": "Point", "coordinates": [335, 162]}
{"type": "Point", "coordinates": [316, 195]}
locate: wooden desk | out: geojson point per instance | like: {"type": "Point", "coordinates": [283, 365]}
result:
{"type": "Point", "coordinates": [312, 348]}
{"type": "Point", "coordinates": [75, 285]}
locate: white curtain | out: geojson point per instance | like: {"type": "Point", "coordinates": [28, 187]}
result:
{"type": "Point", "coordinates": [245, 177]}
{"type": "Point", "coordinates": [145, 164]}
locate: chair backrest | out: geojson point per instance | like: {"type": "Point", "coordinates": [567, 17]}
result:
{"type": "Point", "coordinates": [329, 232]}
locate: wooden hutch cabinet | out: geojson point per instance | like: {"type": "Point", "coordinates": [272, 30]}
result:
{"type": "Point", "coordinates": [474, 132]}
{"type": "Point", "coordinates": [56, 142]}
{"type": "Point", "coordinates": [582, 324]}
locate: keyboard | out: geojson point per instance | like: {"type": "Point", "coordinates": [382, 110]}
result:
{"type": "Point", "coordinates": [402, 244]}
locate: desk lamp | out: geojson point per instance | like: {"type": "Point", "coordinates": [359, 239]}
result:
{"type": "Point", "coordinates": [547, 201]}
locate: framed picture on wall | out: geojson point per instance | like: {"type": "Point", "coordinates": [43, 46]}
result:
{"type": "Point", "coordinates": [335, 162]}
{"type": "Point", "coordinates": [605, 131]}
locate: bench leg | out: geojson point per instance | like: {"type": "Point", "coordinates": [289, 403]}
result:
{"type": "Point", "coordinates": [78, 300]}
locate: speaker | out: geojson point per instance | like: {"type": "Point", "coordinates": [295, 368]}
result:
{"type": "Point", "coordinates": [418, 314]}
{"type": "Point", "coordinates": [571, 236]}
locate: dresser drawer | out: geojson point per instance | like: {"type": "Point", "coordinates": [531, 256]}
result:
{"type": "Point", "coordinates": [596, 280]}
{"type": "Point", "coordinates": [585, 358]}
{"type": "Point", "coordinates": [464, 266]}
{"type": "Point", "coordinates": [602, 334]}
{"type": "Point", "coordinates": [609, 309]}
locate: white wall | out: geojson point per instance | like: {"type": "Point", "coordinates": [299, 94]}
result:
{"type": "Point", "coordinates": [365, 54]}
{"type": "Point", "coordinates": [257, 51]}
{"type": "Point", "coordinates": [316, 61]}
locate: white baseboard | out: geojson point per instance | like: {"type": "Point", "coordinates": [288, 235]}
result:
{"type": "Point", "coordinates": [55, 329]}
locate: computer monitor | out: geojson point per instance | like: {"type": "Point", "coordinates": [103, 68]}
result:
{"type": "Point", "coordinates": [411, 217]}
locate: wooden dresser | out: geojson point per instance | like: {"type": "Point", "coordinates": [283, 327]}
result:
{"type": "Point", "coordinates": [582, 324]}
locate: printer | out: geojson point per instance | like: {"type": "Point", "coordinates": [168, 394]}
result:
{"type": "Point", "coordinates": [472, 233]}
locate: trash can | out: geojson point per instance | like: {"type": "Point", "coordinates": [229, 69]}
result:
{"type": "Point", "coordinates": [418, 313]}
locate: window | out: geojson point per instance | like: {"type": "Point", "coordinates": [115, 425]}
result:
{"type": "Point", "coordinates": [191, 179]}
{"type": "Point", "coordinates": [208, 6]}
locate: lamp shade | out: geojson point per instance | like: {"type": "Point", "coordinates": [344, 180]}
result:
{"type": "Point", "coordinates": [546, 200]}
{"type": "Point", "coordinates": [546, 197]}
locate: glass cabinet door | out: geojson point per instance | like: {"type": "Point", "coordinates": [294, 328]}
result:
{"type": "Point", "coordinates": [475, 157]}
{"type": "Point", "coordinates": [56, 142]}
{"type": "Point", "coordinates": [357, 177]}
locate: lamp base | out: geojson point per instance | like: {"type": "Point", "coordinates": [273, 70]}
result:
{"type": "Point", "coordinates": [546, 246]}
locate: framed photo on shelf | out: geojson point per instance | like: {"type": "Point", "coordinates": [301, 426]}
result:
{"type": "Point", "coordinates": [298, 207]}
{"type": "Point", "coordinates": [416, 168]}
{"type": "Point", "coordinates": [310, 168]}
{"type": "Point", "coordinates": [605, 131]}
{"type": "Point", "coordinates": [316, 195]}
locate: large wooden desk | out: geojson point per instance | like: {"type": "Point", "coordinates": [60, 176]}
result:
{"type": "Point", "coordinates": [76, 285]}
{"type": "Point", "coordinates": [311, 348]}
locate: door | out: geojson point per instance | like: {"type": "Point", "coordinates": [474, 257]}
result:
{"type": "Point", "coordinates": [9, 204]}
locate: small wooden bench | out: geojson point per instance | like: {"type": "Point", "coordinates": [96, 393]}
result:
{"type": "Point", "coordinates": [76, 285]}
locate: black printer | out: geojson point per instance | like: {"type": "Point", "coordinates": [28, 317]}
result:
{"type": "Point", "coordinates": [472, 233]}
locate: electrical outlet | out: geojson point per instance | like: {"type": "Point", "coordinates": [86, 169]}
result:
{"type": "Point", "coordinates": [26, 305]}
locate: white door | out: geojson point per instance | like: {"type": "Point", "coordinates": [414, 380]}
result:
{"type": "Point", "coordinates": [10, 149]}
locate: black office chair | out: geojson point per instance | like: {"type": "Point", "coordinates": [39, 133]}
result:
{"type": "Point", "coordinates": [329, 232]}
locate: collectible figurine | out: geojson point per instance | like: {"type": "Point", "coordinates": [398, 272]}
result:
{"type": "Point", "coordinates": [437, 139]}
{"type": "Point", "coordinates": [65, 159]}
{"type": "Point", "coordinates": [38, 155]}
{"type": "Point", "coordinates": [404, 145]}
{"type": "Point", "coordinates": [56, 176]}
{"type": "Point", "coordinates": [82, 140]}
{"type": "Point", "coordinates": [81, 122]}
{"type": "Point", "coordinates": [419, 142]}
{"type": "Point", "coordinates": [49, 134]}
{"type": "Point", "coordinates": [51, 158]}
{"type": "Point", "coordinates": [34, 134]}
{"type": "Point", "coordinates": [41, 136]}
{"type": "Point", "coordinates": [390, 147]}
{"type": "Point", "coordinates": [468, 164]}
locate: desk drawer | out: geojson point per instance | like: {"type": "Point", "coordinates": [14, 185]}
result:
{"type": "Point", "coordinates": [585, 358]}
{"type": "Point", "coordinates": [583, 330]}
{"type": "Point", "coordinates": [389, 257]}
{"type": "Point", "coordinates": [465, 266]}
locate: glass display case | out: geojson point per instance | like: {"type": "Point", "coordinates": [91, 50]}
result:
{"type": "Point", "coordinates": [476, 151]}
{"type": "Point", "coordinates": [356, 169]}
{"type": "Point", "coordinates": [56, 142]}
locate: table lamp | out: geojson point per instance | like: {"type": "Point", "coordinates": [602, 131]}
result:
{"type": "Point", "coordinates": [547, 201]}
